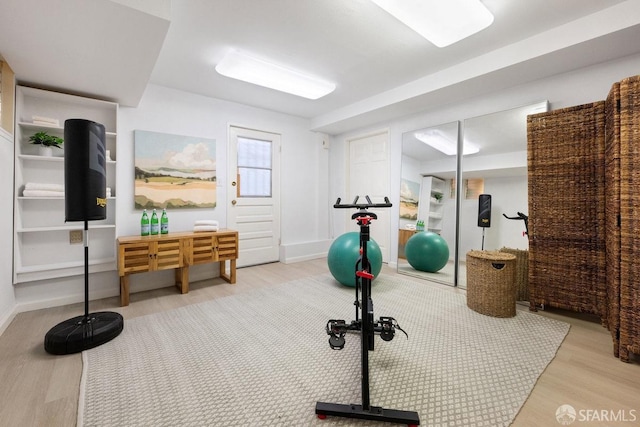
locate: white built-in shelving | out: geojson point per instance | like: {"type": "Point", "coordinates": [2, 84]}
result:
{"type": "Point", "coordinates": [432, 191]}
{"type": "Point", "coordinates": [42, 238]}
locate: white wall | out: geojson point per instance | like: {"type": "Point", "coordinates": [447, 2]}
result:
{"type": "Point", "coordinates": [508, 196]}
{"type": "Point", "coordinates": [304, 183]}
{"type": "Point", "coordinates": [304, 163]}
{"type": "Point", "coordinates": [312, 176]}
{"type": "Point", "coordinates": [574, 88]}
{"type": "Point", "coordinates": [7, 297]}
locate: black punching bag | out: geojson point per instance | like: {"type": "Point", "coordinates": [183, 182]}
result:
{"type": "Point", "coordinates": [85, 184]}
{"type": "Point", "coordinates": [484, 210]}
{"type": "Point", "coordinates": [85, 175]}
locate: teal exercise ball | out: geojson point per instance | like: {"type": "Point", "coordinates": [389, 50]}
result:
{"type": "Point", "coordinates": [427, 251]}
{"type": "Point", "coordinates": [344, 253]}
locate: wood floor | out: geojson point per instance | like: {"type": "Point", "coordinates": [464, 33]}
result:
{"type": "Point", "coordinates": [37, 389]}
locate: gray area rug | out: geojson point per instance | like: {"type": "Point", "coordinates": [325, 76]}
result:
{"type": "Point", "coordinates": [262, 359]}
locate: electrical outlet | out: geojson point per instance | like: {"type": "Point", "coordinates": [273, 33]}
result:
{"type": "Point", "coordinates": [75, 237]}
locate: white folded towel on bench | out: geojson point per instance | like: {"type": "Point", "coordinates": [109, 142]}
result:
{"type": "Point", "coordinates": [197, 228]}
{"type": "Point", "coordinates": [206, 222]}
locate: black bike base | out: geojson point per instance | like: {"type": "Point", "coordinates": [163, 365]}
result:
{"type": "Point", "coordinates": [374, 413]}
{"type": "Point", "coordinates": [83, 332]}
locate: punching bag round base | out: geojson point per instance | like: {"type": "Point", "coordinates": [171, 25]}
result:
{"type": "Point", "coordinates": [83, 332]}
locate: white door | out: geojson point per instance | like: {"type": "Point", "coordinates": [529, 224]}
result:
{"type": "Point", "coordinates": [254, 194]}
{"type": "Point", "coordinates": [369, 175]}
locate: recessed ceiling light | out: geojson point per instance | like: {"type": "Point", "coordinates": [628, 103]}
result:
{"type": "Point", "coordinates": [259, 72]}
{"type": "Point", "coordinates": [442, 22]}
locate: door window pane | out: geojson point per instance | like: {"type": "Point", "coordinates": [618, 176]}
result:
{"type": "Point", "coordinates": [254, 168]}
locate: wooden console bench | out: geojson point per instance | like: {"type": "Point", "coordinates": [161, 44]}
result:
{"type": "Point", "coordinates": [179, 251]}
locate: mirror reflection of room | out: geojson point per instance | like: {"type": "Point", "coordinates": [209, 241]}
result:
{"type": "Point", "coordinates": [427, 208]}
{"type": "Point", "coordinates": [493, 166]}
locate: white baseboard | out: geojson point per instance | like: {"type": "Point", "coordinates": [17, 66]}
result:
{"type": "Point", "coordinates": [39, 299]}
{"type": "Point", "coordinates": [298, 252]}
{"type": "Point", "coordinates": [65, 300]}
{"type": "Point", "coordinates": [7, 319]}
{"type": "Point", "coordinates": [292, 260]}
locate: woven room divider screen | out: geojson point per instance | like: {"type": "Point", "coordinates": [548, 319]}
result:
{"type": "Point", "coordinates": [566, 209]}
{"type": "Point", "coordinates": [612, 211]}
{"type": "Point", "coordinates": [629, 285]}
{"type": "Point", "coordinates": [584, 212]}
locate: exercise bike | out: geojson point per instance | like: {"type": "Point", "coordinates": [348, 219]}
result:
{"type": "Point", "coordinates": [366, 326]}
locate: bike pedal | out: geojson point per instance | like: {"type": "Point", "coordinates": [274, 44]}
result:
{"type": "Point", "coordinates": [336, 342]}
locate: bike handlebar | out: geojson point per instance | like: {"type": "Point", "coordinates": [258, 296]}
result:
{"type": "Point", "coordinates": [520, 216]}
{"type": "Point", "coordinates": [369, 204]}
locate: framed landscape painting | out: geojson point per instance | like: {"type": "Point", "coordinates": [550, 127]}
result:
{"type": "Point", "coordinates": [174, 171]}
{"type": "Point", "coordinates": [409, 196]}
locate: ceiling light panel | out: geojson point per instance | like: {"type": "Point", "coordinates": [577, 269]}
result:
{"type": "Point", "coordinates": [442, 22]}
{"type": "Point", "coordinates": [441, 142]}
{"type": "Point", "coordinates": [253, 70]}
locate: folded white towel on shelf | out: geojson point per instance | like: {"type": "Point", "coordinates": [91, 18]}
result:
{"type": "Point", "coordinates": [206, 222]}
{"type": "Point", "coordinates": [47, 124]}
{"type": "Point", "coordinates": [42, 193]}
{"type": "Point", "coordinates": [45, 121]}
{"type": "Point", "coordinates": [197, 228]}
{"type": "Point", "coordinates": [43, 186]}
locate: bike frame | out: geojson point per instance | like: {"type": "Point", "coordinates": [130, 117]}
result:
{"type": "Point", "coordinates": [367, 325]}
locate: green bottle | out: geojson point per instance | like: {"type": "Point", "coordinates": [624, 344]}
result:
{"type": "Point", "coordinates": [164, 222]}
{"type": "Point", "coordinates": [144, 224]}
{"type": "Point", "coordinates": [155, 226]}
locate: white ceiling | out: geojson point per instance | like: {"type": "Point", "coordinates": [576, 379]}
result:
{"type": "Point", "coordinates": [113, 48]}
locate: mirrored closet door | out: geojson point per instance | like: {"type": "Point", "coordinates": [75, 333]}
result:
{"type": "Point", "coordinates": [429, 163]}
{"type": "Point", "coordinates": [489, 163]}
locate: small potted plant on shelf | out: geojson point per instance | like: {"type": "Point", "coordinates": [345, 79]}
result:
{"type": "Point", "coordinates": [438, 197]}
{"type": "Point", "coordinates": [46, 142]}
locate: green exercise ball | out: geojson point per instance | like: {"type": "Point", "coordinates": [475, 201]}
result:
{"type": "Point", "coordinates": [344, 253]}
{"type": "Point", "coordinates": [427, 251]}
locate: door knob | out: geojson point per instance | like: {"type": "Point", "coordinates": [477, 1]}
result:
{"type": "Point", "coordinates": [233, 202]}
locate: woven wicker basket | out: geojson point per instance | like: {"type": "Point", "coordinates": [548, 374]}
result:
{"type": "Point", "coordinates": [490, 283]}
{"type": "Point", "coordinates": [522, 272]}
